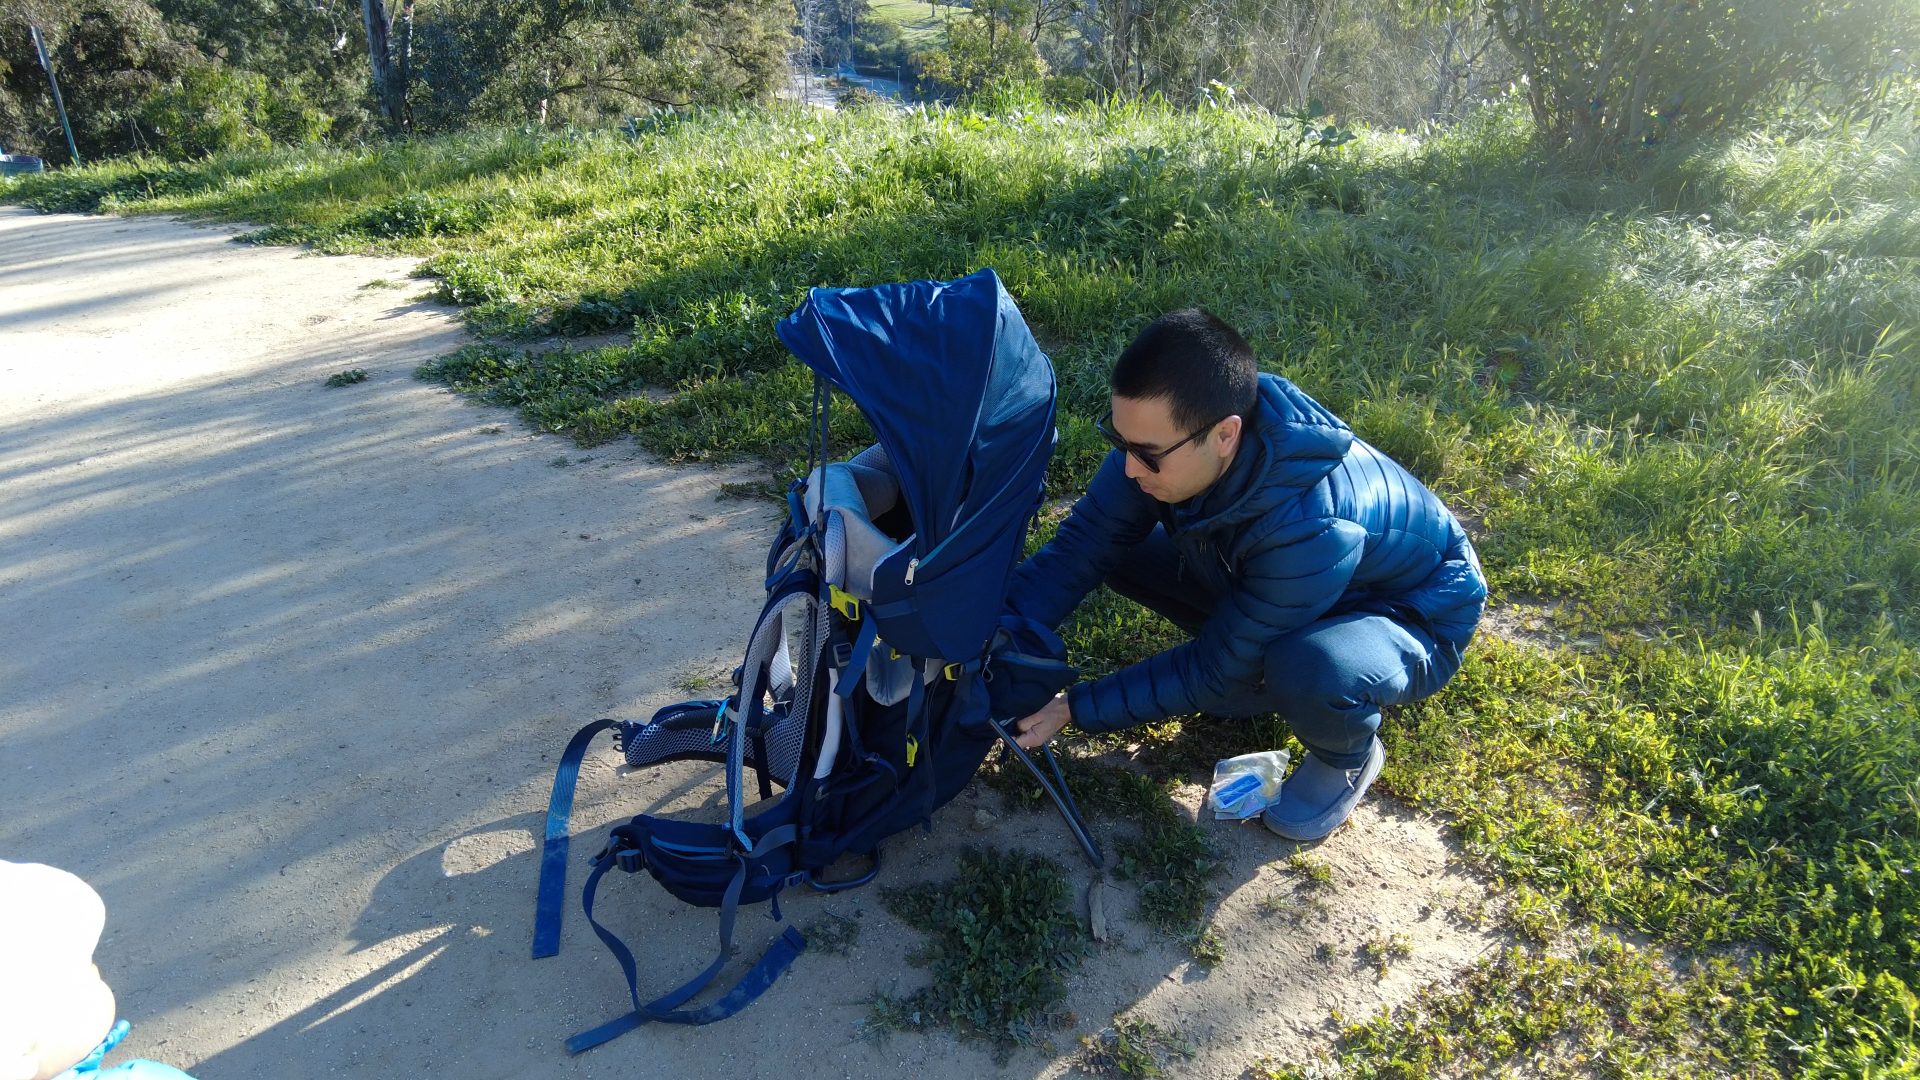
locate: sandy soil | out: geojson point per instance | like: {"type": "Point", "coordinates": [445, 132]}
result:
{"type": "Point", "coordinates": [284, 669]}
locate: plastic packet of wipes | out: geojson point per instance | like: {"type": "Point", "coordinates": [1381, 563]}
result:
{"type": "Point", "coordinates": [1245, 785]}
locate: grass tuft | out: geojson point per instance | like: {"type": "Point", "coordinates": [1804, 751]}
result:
{"type": "Point", "coordinates": [1132, 1047]}
{"type": "Point", "coordinates": [1171, 859]}
{"type": "Point", "coordinates": [1001, 938]}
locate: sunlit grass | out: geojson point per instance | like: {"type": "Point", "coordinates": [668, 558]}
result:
{"type": "Point", "coordinates": [922, 25]}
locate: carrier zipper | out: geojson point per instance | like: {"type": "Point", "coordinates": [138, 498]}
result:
{"type": "Point", "coordinates": [912, 565]}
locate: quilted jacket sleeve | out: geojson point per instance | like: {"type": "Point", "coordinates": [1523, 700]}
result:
{"type": "Point", "coordinates": [1113, 515]}
{"type": "Point", "coordinates": [1287, 579]}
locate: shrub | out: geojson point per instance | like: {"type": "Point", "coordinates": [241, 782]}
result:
{"type": "Point", "coordinates": [214, 109]}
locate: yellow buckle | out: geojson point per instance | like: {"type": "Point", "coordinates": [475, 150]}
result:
{"type": "Point", "coordinates": [952, 671]}
{"type": "Point", "coordinates": [893, 653]}
{"type": "Point", "coordinates": [913, 750]}
{"type": "Point", "coordinates": [843, 602]}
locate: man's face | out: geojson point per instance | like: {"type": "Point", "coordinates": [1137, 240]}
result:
{"type": "Point", "coordinates": [1147, 426]}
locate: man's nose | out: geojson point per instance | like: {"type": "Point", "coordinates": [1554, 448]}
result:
{"type": "Point", "coordinates": [1135, 470]}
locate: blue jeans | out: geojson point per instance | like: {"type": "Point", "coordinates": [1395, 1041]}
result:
{"type": "Point", "coordinates": [1328, 680]}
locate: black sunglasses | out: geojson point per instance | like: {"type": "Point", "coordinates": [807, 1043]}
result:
{"type": "Point", "coordinates": [1150, 458]}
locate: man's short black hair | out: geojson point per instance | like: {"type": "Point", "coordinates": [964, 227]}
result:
{"type": "Point", "coordinates": [1198, 364]}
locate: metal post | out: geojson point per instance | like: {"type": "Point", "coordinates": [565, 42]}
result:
{"type": "Point", "coordinates": [58, 105]}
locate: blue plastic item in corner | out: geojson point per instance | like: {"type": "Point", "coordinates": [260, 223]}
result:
{"type": "Point", "coordinates": [89, 1067]}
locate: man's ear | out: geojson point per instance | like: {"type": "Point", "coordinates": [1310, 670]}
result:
{"type": "Point", "coordinates": [1226, 434]}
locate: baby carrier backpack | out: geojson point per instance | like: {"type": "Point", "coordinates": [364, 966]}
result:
{"type": "Point", "coordinates": [882, 668]}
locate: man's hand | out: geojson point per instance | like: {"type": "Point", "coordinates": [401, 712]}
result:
{"type": "Point", "coordinates": [1040, 728]}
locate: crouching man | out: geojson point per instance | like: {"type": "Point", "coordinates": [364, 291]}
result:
{"type": "Point", "coordinates": [1319, 580]}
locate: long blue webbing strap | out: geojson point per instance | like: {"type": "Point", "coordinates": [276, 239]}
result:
{"type": "Point", "coordinates": [548, 905]}
{"type": "Point", "coordinates": [666, 1008]}
{"type": "Point", "coordinates": [553, 855]}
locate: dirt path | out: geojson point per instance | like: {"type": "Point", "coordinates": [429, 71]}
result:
{"type": "Point", "coordinates": [284, 668]}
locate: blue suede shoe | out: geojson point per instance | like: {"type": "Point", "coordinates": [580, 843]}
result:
{"type": "Point", "coordinates": [1319, 798]}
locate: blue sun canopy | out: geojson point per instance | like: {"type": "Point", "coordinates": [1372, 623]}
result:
{"type": "Point", "coordinates": [962, 398]}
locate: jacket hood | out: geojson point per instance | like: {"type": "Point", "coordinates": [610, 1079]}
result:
{"type": "Point", "coordinates": [1292, 443]}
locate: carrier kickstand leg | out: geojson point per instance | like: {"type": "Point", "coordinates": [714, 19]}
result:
{"type": "Point", "coordinates": [1056, 789]}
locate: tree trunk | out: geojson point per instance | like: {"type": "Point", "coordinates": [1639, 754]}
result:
{"type": "Point", "coordinates": [406, 64]}
{"type": "Point", "coordinates": [380, 60]}
{"type": "Point", "coordinates": [1443, 82]}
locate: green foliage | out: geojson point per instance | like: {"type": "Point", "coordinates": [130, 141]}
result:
{"type": "Point", "coordinates": [1382, 951]}
{"type": "Point", "coordinates": [180, 77]}
{"type": "Point", "coordinates": [985, 51]}
{"type": "Point", "coordinates": [827, 28]}
{"type": "Point", "coordinates": [1712, 794]}
{"type": "Point", "coordinates": [1131, 1047]}
{"type": "Point", "coordinates": [1313, 131]}
{"type": "Point", "coordinates": [71, 191]}
{"type": "Point", "coordinates": [417, 214]}
{"type": "Point", "coordinates": [347, 377]}
{"type": "Point", "coordinates": [832, 935]}
{"type": "Point", "coordinates": [859, 97]}
{"type": "Point", "coordinates": [185, 78]}
{"type": "Point", "coordinates": [880, 44]}
{"type": "Point", "coordinates": [1208, 947]}
{"type": "Point", "coordinates": [914, 24]}
{"type": "Point", "coordinates": [1606, 75]}
{"type": "Point", "coordinates": [1001, 936]}
{"type": "Point", "coordinates": [1314, 871]}
{"type": "Point", "coordinates": [492, 61]}
{"type": "Point", "coordinates": [213, 109]}
{"type": "Point", "coordinates": [109, 55]}
{"type": "Point", "coordinates": [1170, 857]}
{"type": "Point", "coordinates": [1172, 862]}
{"type": "Point", "coordinates": [1388, 66]}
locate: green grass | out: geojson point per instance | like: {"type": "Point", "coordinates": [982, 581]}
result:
{"type": "Point", "coordinates": [1676, 400]}
{"type": "Point", "coordinates": [832, 935]}
{"type": "Point", "coordinates": [1132, 1047]}
{"type": "Point", "coordinates": [1314, 871]}
{"type": "Point", "coordinates": [922, 26]}
{"type": "Point", "coordinates": [1382, 951]}
{"type": "Point", "coordinates": [1001, 936]}
{"type": "Point", "coordinates": [1602, 1009]}
{"type": "Point", "coordinates": [1168, 857]}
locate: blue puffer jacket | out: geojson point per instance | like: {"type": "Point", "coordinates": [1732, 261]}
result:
{"type": "Point", "coordinates": [1308, 522]}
